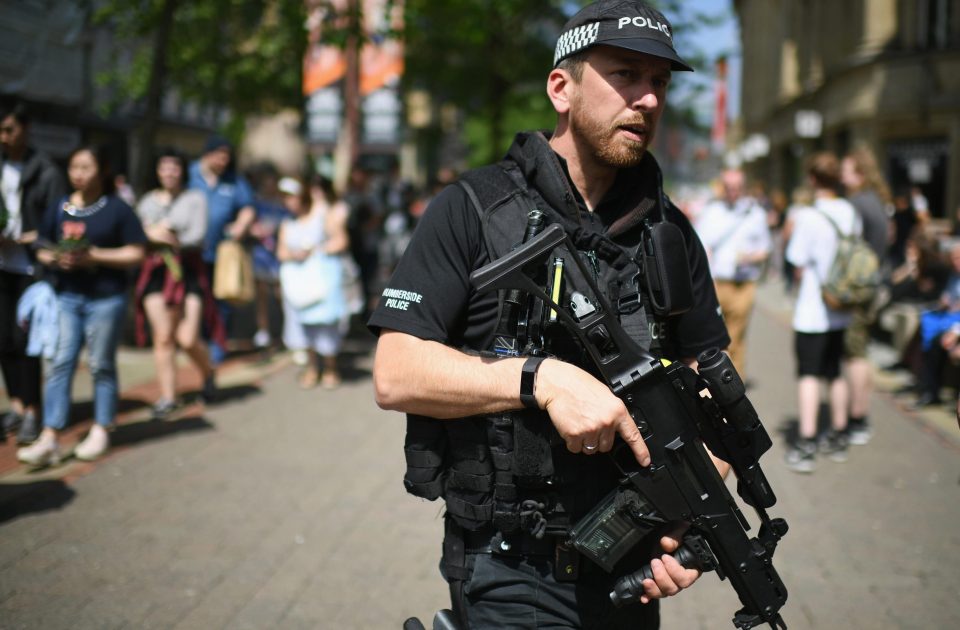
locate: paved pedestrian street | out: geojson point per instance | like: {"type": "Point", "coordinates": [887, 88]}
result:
{"type": "Point", "coordinates": [284, 508]}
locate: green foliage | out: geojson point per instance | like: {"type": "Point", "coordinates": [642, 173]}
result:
{"type": "Point", "coordinates": [245, 55]}
{"type": "Point", "coordinates": [525, 110]}
{"type": "Point", "coordinates": [491, 60]}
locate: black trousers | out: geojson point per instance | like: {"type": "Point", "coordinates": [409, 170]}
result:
{"type": "Point", "coordinates": [21, 374]}
{"type": "Point", "coordinates": [519, 589]}
{"type": "Point", "coordinates": [521, 592]}
{"type": "Point", "coordinates": [933, 362]}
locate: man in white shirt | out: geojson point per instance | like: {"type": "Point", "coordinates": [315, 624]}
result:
{"type": "Point", "coordinates": [818, 330]}
{"type": "Point", "coordinates": [735, 234]}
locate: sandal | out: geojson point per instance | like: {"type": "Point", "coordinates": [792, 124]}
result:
{"type": "Point", "coordinates": [309, 379]}
{"type": "Point", "coordinates": [330, 380]}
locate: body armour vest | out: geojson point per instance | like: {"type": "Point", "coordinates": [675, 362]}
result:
{"type": "Point", "coordinates": [512, 469]}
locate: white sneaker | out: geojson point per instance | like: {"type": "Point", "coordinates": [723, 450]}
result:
{"type": "Point", "coordinates": [860, 432]}
{"type": "Point", "coordinates": [40, 453]}
{"type": "Point", "coordinates": [801, 456]}
{"type": "Point", "coordinates": [262, 339]}
{"type": "Point", "coordinates": [300, 357]}
{"type": "Point", "coordinates": [93, 446]}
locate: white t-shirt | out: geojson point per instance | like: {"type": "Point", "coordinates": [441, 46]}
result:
{"type": "Point", "coordinates": [13, 257]}
{"type": "Point", "coordinates": [726, 232]}
{"type": "Point", "coordinates": [812, 246]}
{"type": "Point", "coordinates": [10, 189]}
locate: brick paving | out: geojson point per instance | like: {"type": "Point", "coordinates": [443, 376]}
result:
{"type": "Point", "coordinates": [283, 508]}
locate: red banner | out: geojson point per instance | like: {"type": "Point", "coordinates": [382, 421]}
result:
{"type": "Point", "coordinates": [718, 134]}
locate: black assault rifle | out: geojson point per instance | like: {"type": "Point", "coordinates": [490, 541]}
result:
{"type": "Point", "coordinates": [681, 485]}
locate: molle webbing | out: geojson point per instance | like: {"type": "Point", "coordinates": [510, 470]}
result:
{"type": "Point", "coordinates": [494, 469]}
{"type": "Point", "coordinates": [506, 515]}
{"type": "Point", "coordinates": [494, 186]}
{"type": "Point", "coordinates": [502, 199]}
{"type": "Point", "coordinates": [424, 447]}
{"type": "Point", "coordinates": [469, 482]}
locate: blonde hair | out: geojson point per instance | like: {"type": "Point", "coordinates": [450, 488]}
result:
{"type": "Point", "coordinates": [865, 163]}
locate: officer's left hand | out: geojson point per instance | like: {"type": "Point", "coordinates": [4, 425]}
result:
{"type": "Point", "coordinates": [669, 576]}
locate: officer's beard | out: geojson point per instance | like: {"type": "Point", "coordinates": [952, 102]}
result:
{"type": "Point", "coordinates": [607, 142]}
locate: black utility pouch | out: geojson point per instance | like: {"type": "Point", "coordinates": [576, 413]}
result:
{"type": "Point", "coordinates": [666, 269]}
{"type": "Point", "coordinates": [566, 564]}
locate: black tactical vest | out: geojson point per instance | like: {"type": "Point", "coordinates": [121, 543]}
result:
{"type": "Point", "coordinates": [512, 469]}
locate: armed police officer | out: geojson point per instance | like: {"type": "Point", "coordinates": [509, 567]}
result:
{"type": "Point", "coordinates": [512, 443]}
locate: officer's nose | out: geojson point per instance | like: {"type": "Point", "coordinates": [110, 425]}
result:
{"type": "Point", "coordinates": [645, 100]}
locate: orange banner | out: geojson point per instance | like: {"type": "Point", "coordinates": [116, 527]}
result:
{"type": "Point", "coordinates": [381, 60]}
{"type": "Point", "coordinates": [323, 65]}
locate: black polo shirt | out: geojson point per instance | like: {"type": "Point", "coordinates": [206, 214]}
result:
{"type": "Point", "coordinates": [430, 297]}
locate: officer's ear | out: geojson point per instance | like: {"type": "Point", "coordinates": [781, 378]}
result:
{"type": "Point", "coordinates": [560, 86]}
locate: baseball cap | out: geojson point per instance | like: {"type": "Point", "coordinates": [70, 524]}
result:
{"type": "Point", "coordinates": [290, 186]}
{"type": "Point", "coordinates": [626, 24]}
{"type": "Point", "coordinates": [215, 142]}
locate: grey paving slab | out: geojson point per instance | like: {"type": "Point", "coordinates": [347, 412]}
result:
{"type": "Point", "coordinates": [871, 543]}
{"type": "Point", "coordinates": [287, 511]}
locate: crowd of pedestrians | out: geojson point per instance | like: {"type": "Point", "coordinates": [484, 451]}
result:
{"type": "Point", "coordinates": [76, 250]}
{"type": "Point", "coordinates": [79, 252]}
{"type": "Point", "coordinates": [750, 236]}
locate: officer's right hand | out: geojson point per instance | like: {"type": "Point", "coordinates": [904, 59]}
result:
{"type": "Point", "coordinates": [585, 412]}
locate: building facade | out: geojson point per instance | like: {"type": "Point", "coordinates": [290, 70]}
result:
{"type": "Point", "coordinates": [820, 74]}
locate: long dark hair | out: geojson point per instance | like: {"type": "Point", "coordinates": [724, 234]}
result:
{"type": "Point", "coordinates": [325, 185]}
{"type": "Point", "coordinates": [104, 166]}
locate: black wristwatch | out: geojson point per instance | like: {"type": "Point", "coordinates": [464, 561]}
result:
{"type": "Point", "coordinates": [528, 382]}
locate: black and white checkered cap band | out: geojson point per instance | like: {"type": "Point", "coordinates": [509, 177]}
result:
{"type": "Point", "coordinates": [576, 39]}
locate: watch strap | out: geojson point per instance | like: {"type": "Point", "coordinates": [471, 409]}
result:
{"type": "Point", "coordinates": [528, 382]}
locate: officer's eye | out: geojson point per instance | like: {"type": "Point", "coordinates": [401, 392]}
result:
{"type": "Point", "coordinates": [660, 82]}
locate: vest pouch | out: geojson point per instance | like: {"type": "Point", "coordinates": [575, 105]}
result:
{"type": "Point", "coordinates": [425, 448]}
{"type": "Point", "coordinates": [666, 270]}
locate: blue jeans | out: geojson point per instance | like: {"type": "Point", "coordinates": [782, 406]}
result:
{"type": "Point", "coordinates": [218, 353]}
{"type": "Point", "coordinates": [98, 323]}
